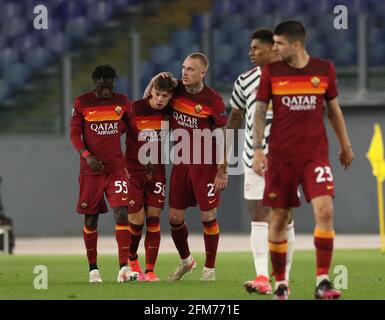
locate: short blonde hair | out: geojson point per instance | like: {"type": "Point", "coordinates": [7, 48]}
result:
{"type": "Point", "coordinates": [201, 57]}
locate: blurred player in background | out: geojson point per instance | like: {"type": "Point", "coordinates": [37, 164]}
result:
{"type": "Point", "coordinates": [147, 186]}
{"type": "Point", "coordinates": [243, 101]}
{"type": "Point", "coordinates": [195, 106]}
{"type": "Point", "coordinates": [98, 120]}
{"type": "Point", "coordinates": [298, 149]}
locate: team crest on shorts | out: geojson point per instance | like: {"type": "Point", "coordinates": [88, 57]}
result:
{"type": "Point", "coordinates": [84, 205]}
{"type": "Point", "coordinates": [131, 203]}
{"type": "Point", "coordinates": [272, 195]}
{"type": "Point", "coordinates": [198, 108]}
{"type": "Point", "coordinates": [315, 81]}
{"type": "Point", "coordinates": [118, 110]}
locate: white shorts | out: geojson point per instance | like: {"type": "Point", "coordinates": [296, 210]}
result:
{"type": "Point", "coordinates": [254, 184]}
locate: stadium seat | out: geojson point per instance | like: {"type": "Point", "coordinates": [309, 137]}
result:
{"type": "Point", "coordinates": [4, 88]}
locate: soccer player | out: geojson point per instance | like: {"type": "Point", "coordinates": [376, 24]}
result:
{"type": "Point", "coordinates": [147, 185]}
{"type": "Point", "coordinates": [98, 119]}
{"type": "Point", "coordinates": [298, 149]}
{"type": "Point", "coordinates": [196, 107]}
{"type": "Point", "coordinates": [243, 103]}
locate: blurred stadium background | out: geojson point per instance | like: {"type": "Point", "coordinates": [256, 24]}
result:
{"type": "Point", "coordinates": [41, 71]}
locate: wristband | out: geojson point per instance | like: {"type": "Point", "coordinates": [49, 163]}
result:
{"type": "Point", "coordinates": [85, 154]}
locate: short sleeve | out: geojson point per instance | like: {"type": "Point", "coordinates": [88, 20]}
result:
{"type": "Point", "coordinates": [77, 116]}
{"type": "Point", "coordinates": [237, 101]}
{"type": "Point", "coordinates": [219, 112]}
{"type": "Point", "coordinates": [264, 89]}
{"type": "Point", "coordinates": [331, 91]}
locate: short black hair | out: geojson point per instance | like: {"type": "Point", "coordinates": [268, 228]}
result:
{"type": "Point", "coordinates": [104, 71]}
{"type": "Point", "coordinates": [264, 35]}
{"type": "Point", "coordinates": [293, 29]}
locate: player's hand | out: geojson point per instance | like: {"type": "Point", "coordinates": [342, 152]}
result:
{"type": "Point", "coordinates": [346, 157]}
{"type": "Point", "coordinates": [95, 164]}
{"type": "Point", "coordinates": [149, 170]}
{"type": "Point", "coordinates": [147, 91]}
{"type": "Point", "coordinates": [259, 162]}
{"type": "Point", "coordinates": [221, 178]}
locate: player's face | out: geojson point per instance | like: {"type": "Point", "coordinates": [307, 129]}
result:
{"type": "Point", "coordinates": [159, 99]}
{"type": "Point", "coordinates": [260, 53]}
{"type": "Point", "coordinates": [283, 48]}
{"type": "Point", "coordinates": [104, 87]}
{"type": "Point", "coordinates": [193, 71]}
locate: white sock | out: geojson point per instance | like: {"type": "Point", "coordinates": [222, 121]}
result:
{"type": "Point", "coordinates": [187, 261]}
{"type": "Point", "coordinates": [259, 247]}
{"type": "Point", "coordinates": [290, 235]}
{"type": "Point", "coordinates": [278, 283]}
{"type": "Point", "coordinates": [321, 278]}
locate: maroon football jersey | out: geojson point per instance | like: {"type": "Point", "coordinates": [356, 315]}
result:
{"type": "Point", "coordinates": [195, 112]}
{"type": "Point", "coordinates": [297, 131]}
{"type": "Point", "coordinates": [145, 126]}
{"type": "Point", "coordinates": [103, 121]}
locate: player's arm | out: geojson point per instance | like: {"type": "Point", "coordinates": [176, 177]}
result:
{"type": "Point", "coordinates": [77, 141]}
{"type": "Point", "coordinates": [264, 95]}
{"type": "Point", "coordinates": [259, 124]}
{"type": "Point", "coordinates": [147, 91]}
{"type": "Point", "coordinates": [337, 122]}
{"type": "Point", "coordinates": [220, 120]}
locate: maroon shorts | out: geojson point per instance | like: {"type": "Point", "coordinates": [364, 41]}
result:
{"type": "Point", "coordinates": [189, 185]}
{"type": "Point", "coordinates": [146, 192]}
{"type": "Point", "coordinates": [93, 188]}
{"type": "Point", "coordinates": [282, 181]}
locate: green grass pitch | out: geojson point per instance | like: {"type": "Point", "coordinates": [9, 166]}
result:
{"type": "Point", "coordinates": [68, 276]}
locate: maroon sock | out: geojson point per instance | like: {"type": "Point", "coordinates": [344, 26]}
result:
{"type": "Point", "coordinates": [152, 242]}
{"type": "Point", "coordinates": [211, 238]}
{"type": "Point", "coordinates": [136, 235]}
{"type": "Point", "coordinates": [323, 242]}
{"type": "Point", "coordinates": [90, 236]}
{"type": "Point", "coordinates": [122, 234]}
{"type": "Point", "coordinates": [179, 234]}
{"type": "Point", "coordinates": [278, 252]}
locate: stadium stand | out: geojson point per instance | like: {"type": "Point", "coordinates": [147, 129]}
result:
{"type": "Point", "coordinates": [28, 55]}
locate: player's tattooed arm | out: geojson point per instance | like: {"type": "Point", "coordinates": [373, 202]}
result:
{"type": "Point", "coordinates": [259, 159]}
{"type": "Point", "coordinates": [259, 124]}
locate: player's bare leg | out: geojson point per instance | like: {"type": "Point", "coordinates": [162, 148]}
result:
{"type": "Point", "coordinates": [179, 233]}
{"type": "Point", "coordinates": [259, 216]}
{"type": "Point", "coordinates": [279, 218]}
{"type": "Point", "coordinates": [152, 241]}
{"type": "Point", "coordinates": [211, 239]}
{"type": "Point", "coordinates": [136, 221]}
{"type": "Point", "coordinates": [122, 233]}
{"type": "Point", "coordinates": [323, 241]}
{"type": "Point", "coordinates": [90, 236]}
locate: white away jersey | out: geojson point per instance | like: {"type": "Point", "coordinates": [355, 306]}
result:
{"type": "Point", "coordinates": [244, 97]}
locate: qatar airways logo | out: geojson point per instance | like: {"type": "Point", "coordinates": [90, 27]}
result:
{"type": "Point", "coordinates": [105, 129]}
{"type": "Point", "coordinates": [299, 103]}
{"type": "Point", "coordinates": [185, 121]}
